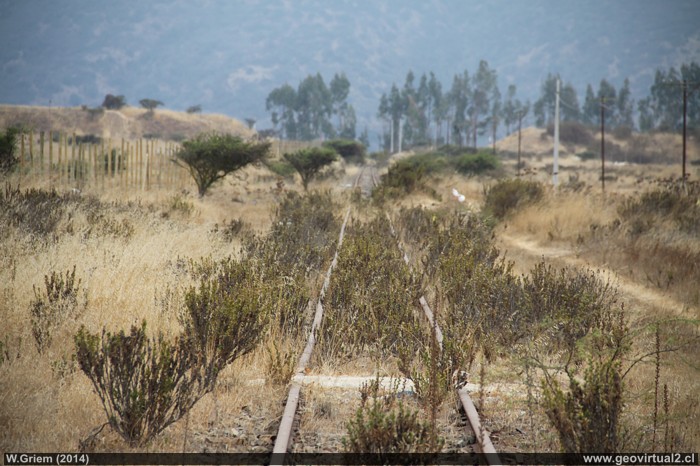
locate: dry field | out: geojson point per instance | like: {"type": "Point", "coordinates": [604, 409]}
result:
{"type": "Point", "coordinates": [136, 256]}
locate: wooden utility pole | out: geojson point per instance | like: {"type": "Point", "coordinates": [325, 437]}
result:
{"type": "Point", "coordinates": [602, 141]}
{"type": "Point", "coordinates": [555, 167]}
{"type": "Point", "coordinates": [685, 111]}
{"type": "Point", "coordinates": [521, 115]}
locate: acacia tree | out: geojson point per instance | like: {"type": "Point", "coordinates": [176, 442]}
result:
{"type": "Point", "coordinates": [308, 162]}
{"type": "Point", "coordinates": [114, 102]}
{"type": "Point", "coordinates": [150, 104]}
{"type": "Point", "coordinates": [211, 156]}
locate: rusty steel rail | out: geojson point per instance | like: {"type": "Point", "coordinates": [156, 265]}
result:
{"type": "Point", "coordinates": [284, 434]}
{"type": "Point", "coordinates": [483, 440]}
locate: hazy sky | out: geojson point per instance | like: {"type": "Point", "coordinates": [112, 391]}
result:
{"type": "Point", "coordinates": [228, 55]}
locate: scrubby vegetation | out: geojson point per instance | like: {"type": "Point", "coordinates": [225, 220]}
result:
{"type": "Point", "coordinates": [383, 425]}
{"type": "Point", "coordinates": [506, 195]}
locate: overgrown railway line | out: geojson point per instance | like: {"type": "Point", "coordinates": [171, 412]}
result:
{"type": "Point", "coordinates": [284, 440]}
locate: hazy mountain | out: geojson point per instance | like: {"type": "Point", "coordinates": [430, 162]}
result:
{"type": "Point", "coordinates": [228, 55]}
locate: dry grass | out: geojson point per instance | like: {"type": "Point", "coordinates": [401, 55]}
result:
{"type": "Point", "coordinates": [126, 278]}
{"type": "Point", "coordinates": [129, 122]}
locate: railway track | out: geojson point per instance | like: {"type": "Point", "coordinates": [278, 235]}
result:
{"type": "Point", "coordinates": [366, 181]}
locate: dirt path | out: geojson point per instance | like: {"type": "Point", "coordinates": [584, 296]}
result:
{"type": "Point", "coordinates": [526, 251]}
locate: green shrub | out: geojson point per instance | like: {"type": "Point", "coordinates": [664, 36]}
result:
{"type": "Point", "coordinates": [350, 151]}
{"type": "Point", "coordinates": [308, 162]}
{"type": "Point", "coordinates": [303, 234]}
{"type": "Point", "coordinates": [566, 304]}
{"type": "Point", "coordinates": [210, 157]}
{"type": "Point", "coordinates": [403, 177]}
{"type": "Point", "coordinates": [281, 168]}
{"type": "Point", "coordinates": [476, 163]}
{"type": "Point", "coordinates": [8, 150]}
{"type": "Point", "coordinates": [507, 195]}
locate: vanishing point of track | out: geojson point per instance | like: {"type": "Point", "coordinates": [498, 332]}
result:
{"type": "Point", "coordinates": [366, 180]}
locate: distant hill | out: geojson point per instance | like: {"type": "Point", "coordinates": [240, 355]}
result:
{"type": "Point", "coordinates": [663, 148]}
{"type": "Point", "coordinates": [228, 55]}
{"type": "Point", "coordinates": [127, 123]}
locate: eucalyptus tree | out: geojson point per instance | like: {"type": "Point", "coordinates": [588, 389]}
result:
{"type": "Point", "coordinates": [282, 103]}
{"type": "Point", "coordinates": [483, 91]}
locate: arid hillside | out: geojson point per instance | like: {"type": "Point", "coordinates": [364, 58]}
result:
{"type": "Point", "coordinates": [620, 146]}
{"type": "Point", "coordinates": [127, 123]}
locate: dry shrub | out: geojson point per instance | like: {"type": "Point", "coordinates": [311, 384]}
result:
{"type": "Point", "coordinates": [144, 384]}
{"type": "Point", "coordinates": [371, 295]}
{"type": "Point", "coordinates": [303, 233]}
{"type": "Point", "coordinates": [147, 384]}
{"type": "Point", "coordinates": [565, 304]}
{"type": "Point", "coordinates": [587, 415]}
{"type": "Point", "coordinates": [507, 195]}
{"type": "Point", "coordinates": [572, 132]}
{"type": "Point", "coordinates": [384, 425]}
{"type": "Point", "coordinates": [52, 308]}
{"type": "Point", "coordinates": [671, 200]}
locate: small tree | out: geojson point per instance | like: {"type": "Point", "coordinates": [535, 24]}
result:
{"type": "Point", "coordinates": [308, 162]}
{"type": "Point", "coordinates": [349, 150]}
{"type": "Point", "coordinates": [194, 109]}
{"type": "Point", "coordinates": [8, 150]}
{"type": "Point", "coordinates": [114, 102]}
{"type": "Point", "coordinates": [210, 156]}
{"type": "Point", "coordinates": [150, 104]}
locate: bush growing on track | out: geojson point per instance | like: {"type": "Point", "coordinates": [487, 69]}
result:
{"type": "Point", "coordinates": [371, 296]}
{"type": "Point", "coordinates": [384, 425]}
{"type": "Point", "coordinates": [303, 234]}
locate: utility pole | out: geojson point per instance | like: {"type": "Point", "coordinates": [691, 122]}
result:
{"type": "Point", "coordinates": [391, 143]}
{"type": "Point", "coordinates": [521, 115]}
{"type": "Point", "coordinates": [555, 168]}
{"type": "Point", "coordinates": [685, 111]}
{"type": "Point", "coordinates": [602, 141]}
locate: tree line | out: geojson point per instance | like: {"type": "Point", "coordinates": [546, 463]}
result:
{"type": "Point", "coordinates": [425, 112]}
{"type": "Point", "coordinates": [313, 110]}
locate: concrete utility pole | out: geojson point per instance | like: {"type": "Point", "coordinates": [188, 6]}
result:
{"type": "Point", "coordinates": [555, 168]}
{"type": "Point", "coordinates": [391, 143]}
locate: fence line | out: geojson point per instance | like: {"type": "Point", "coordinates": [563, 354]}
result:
{"type": "Point", "coordinates": [65, 161]}
{"type": "Point", "coordinates": [69, 161]}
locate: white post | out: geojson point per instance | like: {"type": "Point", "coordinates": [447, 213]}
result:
{"type": "Point", "coordinates": [400, 134]}
{"type": "Point", "coordinates": [391, 143]}
{"type": "Point", "coordinates": [555, 169]}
